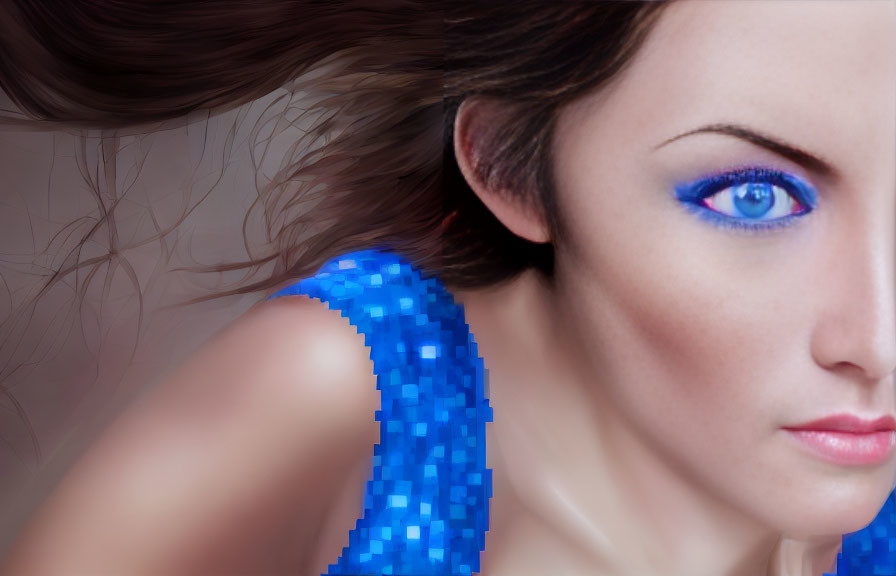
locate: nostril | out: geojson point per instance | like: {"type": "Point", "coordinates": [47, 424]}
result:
{"type": "Point", "coordinates": [854, 309]}
{"type": "Point", "coordinates": [855, 347]}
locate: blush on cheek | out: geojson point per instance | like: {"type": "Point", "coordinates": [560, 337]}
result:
{"type": "Point", "coordinates": [678, 328]}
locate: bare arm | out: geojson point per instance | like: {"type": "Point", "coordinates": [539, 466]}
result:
{"type": "Point", "coordinates": [225, 468]}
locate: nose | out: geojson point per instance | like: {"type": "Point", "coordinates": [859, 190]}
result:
{"type": "Point", "coordinates": [856, 324]}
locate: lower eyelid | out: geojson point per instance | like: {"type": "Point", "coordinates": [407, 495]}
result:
{"type": "Point", "coordinates": [740, 225]}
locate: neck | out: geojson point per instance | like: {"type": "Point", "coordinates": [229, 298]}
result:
{"type": "Point", "coordinates": [584, 474]}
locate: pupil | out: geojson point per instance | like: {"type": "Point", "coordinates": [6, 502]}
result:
{"type": "Point", "coordinates": [754, 199]}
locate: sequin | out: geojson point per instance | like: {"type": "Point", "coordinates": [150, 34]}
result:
{"type": "Point", "coordinates": [426, 502]}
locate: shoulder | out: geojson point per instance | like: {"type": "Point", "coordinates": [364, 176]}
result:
{"type": "Point", "coordinates": [289, 340]}
{"type": "Point", "coordinates": [291, 370]}
{"type": "Point", "coordinates": [291, 356]}
{"type": "Point", "coordinates": [208, 468]}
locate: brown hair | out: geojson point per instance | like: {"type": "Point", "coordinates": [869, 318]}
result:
{"type": "Point", "coordinates": [394, 75]}
{"type": "Point", "coordinates": [380, 83]}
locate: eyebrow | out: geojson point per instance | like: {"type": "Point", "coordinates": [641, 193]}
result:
{"type": "Point", "coordinates": [789, 151]}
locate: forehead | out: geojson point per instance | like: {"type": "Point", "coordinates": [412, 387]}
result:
{"type": "Point", "coordinates": [818, 73]}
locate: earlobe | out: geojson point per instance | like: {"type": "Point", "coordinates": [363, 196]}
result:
{"type": "Point", "coordinates": [473, 125]}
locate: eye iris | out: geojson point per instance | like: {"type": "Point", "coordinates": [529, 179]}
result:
{"type": "Point", "coordinates": [754, 199]}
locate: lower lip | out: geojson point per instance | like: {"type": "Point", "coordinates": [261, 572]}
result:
{"type": "Point", "coordinates": [847, 448]}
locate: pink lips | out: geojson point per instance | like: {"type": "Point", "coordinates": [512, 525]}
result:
{"type": "Point", "coordinates": [847, 439]}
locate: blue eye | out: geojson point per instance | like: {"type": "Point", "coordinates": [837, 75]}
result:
{"type": "Point", "coordinates": [751, 199]}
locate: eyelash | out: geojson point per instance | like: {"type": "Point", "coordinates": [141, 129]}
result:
{"type": "Point", "coordinates": [693, 195]}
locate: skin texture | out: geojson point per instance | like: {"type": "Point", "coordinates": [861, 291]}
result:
{"type": "Point", "coordinates": [639, 398]}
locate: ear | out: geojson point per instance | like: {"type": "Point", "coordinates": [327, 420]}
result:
{"type": "Point", "coordinates": [474, 123]}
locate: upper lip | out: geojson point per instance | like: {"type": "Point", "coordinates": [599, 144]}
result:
{"type": "Point", "coordinates": [848, 423]}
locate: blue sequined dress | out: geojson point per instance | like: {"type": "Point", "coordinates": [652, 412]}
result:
{"type": "Point", "coordinates": [426, 502]}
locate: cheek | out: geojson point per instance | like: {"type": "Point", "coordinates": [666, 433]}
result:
{"type": "Point", "coordinates": [681, 320]}
{"type": "Point", "coordinates": [678, 346]}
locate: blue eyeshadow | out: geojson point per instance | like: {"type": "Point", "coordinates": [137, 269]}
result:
{"type": "Point", "coordinates": [692, 195]}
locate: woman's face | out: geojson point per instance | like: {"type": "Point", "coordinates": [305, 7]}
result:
{"type": "Point", "coordinates": [714, 314]}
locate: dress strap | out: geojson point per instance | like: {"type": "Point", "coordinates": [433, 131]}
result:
{"type": "Point", "coordinates": [426, 502]}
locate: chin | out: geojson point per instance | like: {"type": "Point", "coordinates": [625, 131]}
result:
{"type": "Point", "coordinates": [837, 506]}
